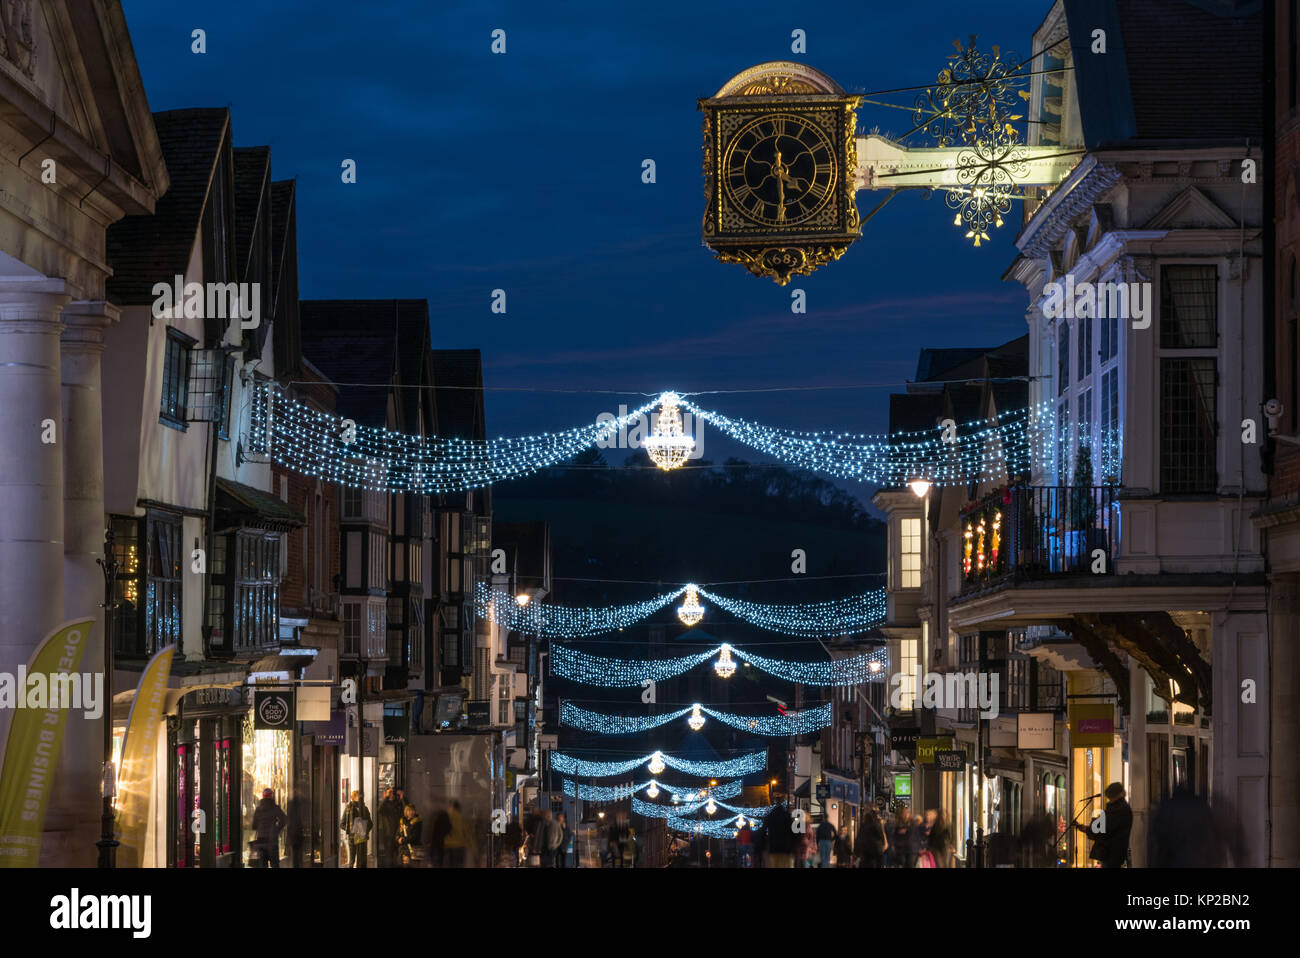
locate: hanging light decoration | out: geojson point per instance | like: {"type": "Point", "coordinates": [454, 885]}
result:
{"type": "Point", "coordinates": [690, 611]}
{"type": "Point", "coordinates": [653, 790]}
{"type": "Point", "coordinates": [668, 446]}
{"type": "Point", "coordinates": [657, 764]}
{"type": "Point", "coordinates": [711, 807]}
{"type": "Point", "coordinates": [696, 721]}
{"type": "Point", "coordinates": [725, 666]}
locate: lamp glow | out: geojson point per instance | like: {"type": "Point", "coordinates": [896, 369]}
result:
{"type": "Point", "coordinates": [656, 764]}
{"type": "Point", "coordinates": [920, 487]}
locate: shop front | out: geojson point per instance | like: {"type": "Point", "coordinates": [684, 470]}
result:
{"type": "Point", "coordinates": [204, 740]}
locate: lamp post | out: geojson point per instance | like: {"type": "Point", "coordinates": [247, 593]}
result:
{"type": "Point", "coordinates": [108, 843]}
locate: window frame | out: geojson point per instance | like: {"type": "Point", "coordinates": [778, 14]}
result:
{"type": "Point", "coordinates": [178, 349]}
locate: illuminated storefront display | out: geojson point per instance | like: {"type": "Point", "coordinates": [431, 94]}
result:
{"type": "Point", "coordinates": [266, 763]}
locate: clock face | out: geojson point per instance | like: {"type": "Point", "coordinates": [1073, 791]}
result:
{"type": "Point", "coordinates": [779, 170]}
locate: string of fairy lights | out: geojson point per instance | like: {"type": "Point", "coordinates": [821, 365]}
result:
{"type": "Point", "coordinates": [323, 445]}
{"type": "Point", "coordinates": [652, 788]}
{"type": "Point", "coordinates": [587, 669]}
{"type": "Point", "coordinates": [655, 762]}
{"type": "Point", "coordinates": [848, 615]}
{"type": "Point", "coordinates": [808, 720]}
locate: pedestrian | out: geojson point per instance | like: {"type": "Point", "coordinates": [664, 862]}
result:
{"type": "Point", "coordinates": [565, 837]}
{"type": "Point", "coordinates": [825, 843]}
{"type": "Point", "coordinates": [843, 849]}
{"type": "Point", "coordinates": [805, 850]}
{"type": "Point", "coordinates": [388, 819]}
{"type": "Point", "coordinates": [872, 842]}
{"type": "Point", "coordinates": [356, 824]}
{"type": "Point", "coordinates": [780, 838]}
{"type": "Point", "coordinates": [1110, 838]}
{"type": "Point", "coordinates": [745, 846]}
{"type": "Point", "coordinates": [900, 842]}
{"type": "Point", "coordinates": [409, 836]}
{"type": "Point", "coordinates": [1187, 832]}
{"type": "Point", "coordinates": [268, 819]}
{"type": "Point", "coordinates": [916, 837]}
{"type": "Point", "coordinates": [299, 821]}
{"type": "Point", "coordinates": [938, 838]}
{"type": "Point", "coordinates": [457, 841]}
{"type": "Point", "coordinates": [541, 840]}
{"type": "Point", "coordinates": [438, 837]}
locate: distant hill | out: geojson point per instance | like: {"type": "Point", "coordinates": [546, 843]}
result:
{"type": "Point", "coordinates": [709, 523]}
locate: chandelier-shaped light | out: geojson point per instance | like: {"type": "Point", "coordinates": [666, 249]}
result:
{"type": "Point", "coordinates": [656, 764]}
{"type": "Point", "coordinates": [725, 666]}
{"type": "Point", "coordinates": [696, 721]}
{"type": "Point", "coordinates": [653, 790]}
{"type": "Point", "coordinates": [712, 806]}
{"type": "Point", "coordinates": [801, 723]}
{"type": "Point", "coordinates": [567, 663]}
{"type": "Point", "coordinates": [668, 446]}
{"type": "Point", "coordinates": [690, 612]}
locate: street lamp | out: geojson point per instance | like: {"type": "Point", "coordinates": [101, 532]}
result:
{"type": "Point", "coordinates": [920, 487]}
{"type": "Point", "coordinates": [108, 843]}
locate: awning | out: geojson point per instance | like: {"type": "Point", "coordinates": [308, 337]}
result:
{"type": "Point", "coordinates": [241, 505]}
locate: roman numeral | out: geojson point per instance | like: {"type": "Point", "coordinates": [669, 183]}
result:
{"type": "Point", "coordinates": [778, 126]}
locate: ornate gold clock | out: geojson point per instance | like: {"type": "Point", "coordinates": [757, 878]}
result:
{"type": "Point", "coordinates": [780, 161]}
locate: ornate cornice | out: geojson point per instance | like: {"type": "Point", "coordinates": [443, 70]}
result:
{"type": "Point", "coordinates": [1055, 218]}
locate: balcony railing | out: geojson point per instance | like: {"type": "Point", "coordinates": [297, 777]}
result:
{"type": "Point", "coordinates": [1035, 532]}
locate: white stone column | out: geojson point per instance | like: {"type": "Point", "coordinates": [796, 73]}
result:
{"type": "Point", "coordinates": [31, 472]}
{"type": "Point", "coordinates": [72, 825]}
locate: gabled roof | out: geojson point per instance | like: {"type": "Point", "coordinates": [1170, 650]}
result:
{"type": "Point", "coordinates": [144, 250]}
{"type": "Point", "coordinates": [252, 174]}
{"type": "Point", "coordinates": [1174, 71]}
{"type": "Point", "coordinates": [458, 378]}
{"type": "Point", "coordinates": [373, 341]}
{"type": "Point", "coordinates": [283, 194]}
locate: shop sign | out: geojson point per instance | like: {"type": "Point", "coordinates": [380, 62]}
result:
{"type": "Point", "coordinates": [219, 698]}
{"type": "Point", "coordinates": [823, 792]}
{"type": "Point", "coordinates": [950, 760]}
{"type": "Point", "coordinates": [903, 785]}
{"type": "Point", "coordinates": [396, 728]}
{"type": "Point", "coordinates": [480, 713]}
{"type": "Point", "coordinates": [1035, 730]}
{"type": "Point", "coordinates": [273, 709]}
{"type": "Point", "coordinates": [326, 733]}
{"type": "Point", "coordinates": [926, 747]}
{"type": "Point", "coordinates": [904, 739]}
{"type": "Point", "coordinates": [1092, 726]}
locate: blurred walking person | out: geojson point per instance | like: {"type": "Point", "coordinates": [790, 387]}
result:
{"type": "Point", "coordinates": [457, 840]}
{"type": "Point", "coordinates": [268, 819]}
{"type": "Point", "coordinates": [872, 841]}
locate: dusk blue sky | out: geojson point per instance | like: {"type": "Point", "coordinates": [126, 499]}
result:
{"type": "Point", "coordinates": [523, 172]}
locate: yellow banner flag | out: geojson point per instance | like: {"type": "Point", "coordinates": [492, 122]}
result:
{"type": "Point", "coordinates": [135, 778]}
{"type": "Point", "coordinates": [40, 701]}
